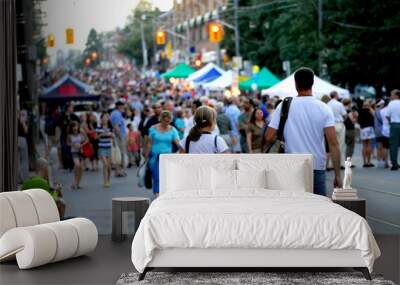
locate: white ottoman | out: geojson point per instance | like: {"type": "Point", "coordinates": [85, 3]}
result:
{"type": "Point", "coordinates": [37, 245]}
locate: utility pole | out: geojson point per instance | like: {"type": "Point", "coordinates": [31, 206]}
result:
{"type": "Point", "coordinates": [218, 44]}
{"type": "Point", "coordinates": [188, 43]}
{"type": "Point", "coordinates": [144, 48]}
{"type": "Point", "coordinates": [237, 35]}
{"type": "Point", "coordinates": [320, 35]}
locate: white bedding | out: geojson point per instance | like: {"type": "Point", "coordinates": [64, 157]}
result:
{"type": "Point", "coordinates": [252, 218]}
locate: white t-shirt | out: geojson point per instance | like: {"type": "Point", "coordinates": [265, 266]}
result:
{"type": "Point", "coordinates": [206, 144]}
{"type": "Point", "coordinates": [304, 128]}
{"type": "Point", "coordinates": [385, 123]}
{"type": "Point", "coordinates": [393, 111]}
{"type": "Point", "coordinates": [338, 110]}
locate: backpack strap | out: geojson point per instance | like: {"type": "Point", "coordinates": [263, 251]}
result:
{"type": "Point", "coordinates": [215, 144]}
{"type": "Point", "coordinates": [187, 144]}
{"type": "Point", "coordinates": [284, 115]}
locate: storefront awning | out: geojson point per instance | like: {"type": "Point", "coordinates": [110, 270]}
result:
{"type": "Point", "coordinates": [199, 20]}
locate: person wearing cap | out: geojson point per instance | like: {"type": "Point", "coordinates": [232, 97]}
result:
{"type": "Point", "coordinates": [118, 124]}
{"type": "Point", "coordinates": [393, 115]}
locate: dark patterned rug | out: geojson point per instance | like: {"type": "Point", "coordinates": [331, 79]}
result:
{"type": "Point", "coordinates": [243, 278]}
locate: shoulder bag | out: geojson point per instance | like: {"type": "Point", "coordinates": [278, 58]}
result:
{"type": "Point", "coordinates": [279, 145]}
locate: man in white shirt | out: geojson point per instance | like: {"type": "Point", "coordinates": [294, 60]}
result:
{"type": "Point", "coordinates": [308, 121]}
{"type": "Point", "coordinates": [393, 115]}
{"type": "Point", "coordinates": [339, 113]}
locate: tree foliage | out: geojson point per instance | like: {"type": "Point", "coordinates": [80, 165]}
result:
{"type": "Point", "coordinates": [359, 43]}
{"type": "Point", "coordinates": [131, 45]}
{"type": "Point", "coordinates": [93, 42]}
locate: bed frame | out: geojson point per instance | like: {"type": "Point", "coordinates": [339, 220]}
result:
{"type": "Point", "coordinates": [259, 259]}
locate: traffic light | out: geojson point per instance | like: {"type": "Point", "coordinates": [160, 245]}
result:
{"type": "Point", "coordinates": [215, 32]}
{"type": "Point", "coordinates": [160, 38]}
{"type": "Point", "coordinates": [88, 61]}
{"type": "Point", "coordinates": [69, 36]}
{"type": "Point", "coordinates": [197, 63]}
{"type": "Point", "coordinates": [51, 41]}
{"type": "Point", "coordinates": [94, 55]}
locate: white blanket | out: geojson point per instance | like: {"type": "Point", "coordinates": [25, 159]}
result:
{"type": "Point", "coordinates": [250, 219]}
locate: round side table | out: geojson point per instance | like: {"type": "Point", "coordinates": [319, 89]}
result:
{"type": "Point", "coordinates": [139, 205]}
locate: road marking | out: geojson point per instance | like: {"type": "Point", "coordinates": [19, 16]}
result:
{"type": "Point", "coordinates": [383, 222]}
{"type": "Point", "coordinates": [378, 191]}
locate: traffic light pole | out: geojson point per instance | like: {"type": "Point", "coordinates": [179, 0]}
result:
{"type": "Point", "coordinates": [218, 44]}
{"type": "Point", "coordinates": [237, 44]}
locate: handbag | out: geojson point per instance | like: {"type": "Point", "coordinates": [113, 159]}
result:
{"type": "Point", "coordinates": [279, 145]}
{"type": "Point", "coordinates": [148, 180]}
{"type": "Point", "coordinates": [87, 150]}
{"type": "Point", "coordinates": [141, 174]}
{"type": "Point", "coordinates": [115, 155]}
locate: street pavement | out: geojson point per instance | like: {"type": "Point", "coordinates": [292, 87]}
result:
{"type": "Point", "coordinates": [380, 187]}
{"type": "Point", "coordinates": [94, 201]}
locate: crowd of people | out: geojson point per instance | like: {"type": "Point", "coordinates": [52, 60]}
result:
{"type": "Point", "coordinates": [137, 119]}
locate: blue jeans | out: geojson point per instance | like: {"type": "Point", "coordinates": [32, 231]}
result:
{"type": "Point", "coordinates": [154, 160]}
{"type": "Point", "coordinates": [319, 182]}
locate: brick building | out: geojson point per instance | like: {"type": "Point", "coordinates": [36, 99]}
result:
{"type": "Point", "coordinates": [186, 25]}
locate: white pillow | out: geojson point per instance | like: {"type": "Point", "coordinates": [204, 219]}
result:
{"type": "Point", "coordinates": [224, 179]}
{"type": "Point", "coordinates": [278, 180]}
{"type": "Point", "coordinates": [184, 177]}
{"type": "Point", "coordinates": [251, 178]}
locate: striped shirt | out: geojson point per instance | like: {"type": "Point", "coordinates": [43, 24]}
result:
{"type": "Point", "coordinates": [105, 137]}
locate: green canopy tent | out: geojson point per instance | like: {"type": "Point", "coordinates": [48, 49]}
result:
{"type": "Point", "coordinates": [180, 71]}
{"type": "Point", "coordinates": [262, 80]}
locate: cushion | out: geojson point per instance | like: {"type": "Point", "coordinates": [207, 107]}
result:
{"type": "Point", "coordinates": [277, 180]}
{"type": "Point", "coordinates": [7, 218]}
{"type": "Point", "coordinates": [224, 179]}
{"type": "Point", "coordinates": [46, 208]}
{"type": "Point", "coordinates": [251, 178]}
{"type": "Point", "coordinates": [23, 208]}
{"type": "Point", "coordinates": [41, 244]}
{"type": "Point", "coordinates": [284, 173]}
{"type": "Point", "coordinates": [186, 177]}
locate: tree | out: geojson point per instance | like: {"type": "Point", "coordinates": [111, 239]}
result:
{"type": "Point", "coordinates": [93, 44]}
{"type": "Point", "coordinates": [131, 45]}
{"type": "Point", "coordinates": [359, 43]}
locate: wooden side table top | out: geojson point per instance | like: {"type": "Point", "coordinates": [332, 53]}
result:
{"type": "Point", "coordinates": [130, 199]}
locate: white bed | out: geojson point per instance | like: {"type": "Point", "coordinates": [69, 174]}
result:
{"type": "Point", "coordinates": [247, 211]}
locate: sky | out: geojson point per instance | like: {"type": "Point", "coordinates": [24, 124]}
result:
{"type": "Point", "coordinates": [82, 15]}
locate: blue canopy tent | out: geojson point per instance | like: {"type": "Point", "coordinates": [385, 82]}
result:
{"type": "Point", "coordinates": [209, 76]}
{"type": "Point", "coordinates": [68, 88]}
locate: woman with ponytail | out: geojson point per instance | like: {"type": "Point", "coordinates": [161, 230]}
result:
{"type": "Point", "coordinates": [200, 138]}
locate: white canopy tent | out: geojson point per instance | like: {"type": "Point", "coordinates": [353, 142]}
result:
{"type": "Point", "coordinates": [225, 80]}
{"type": "Point", "coordinates": [204, 70]}
{"type": "Point", "coordinates": [287, 88]}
